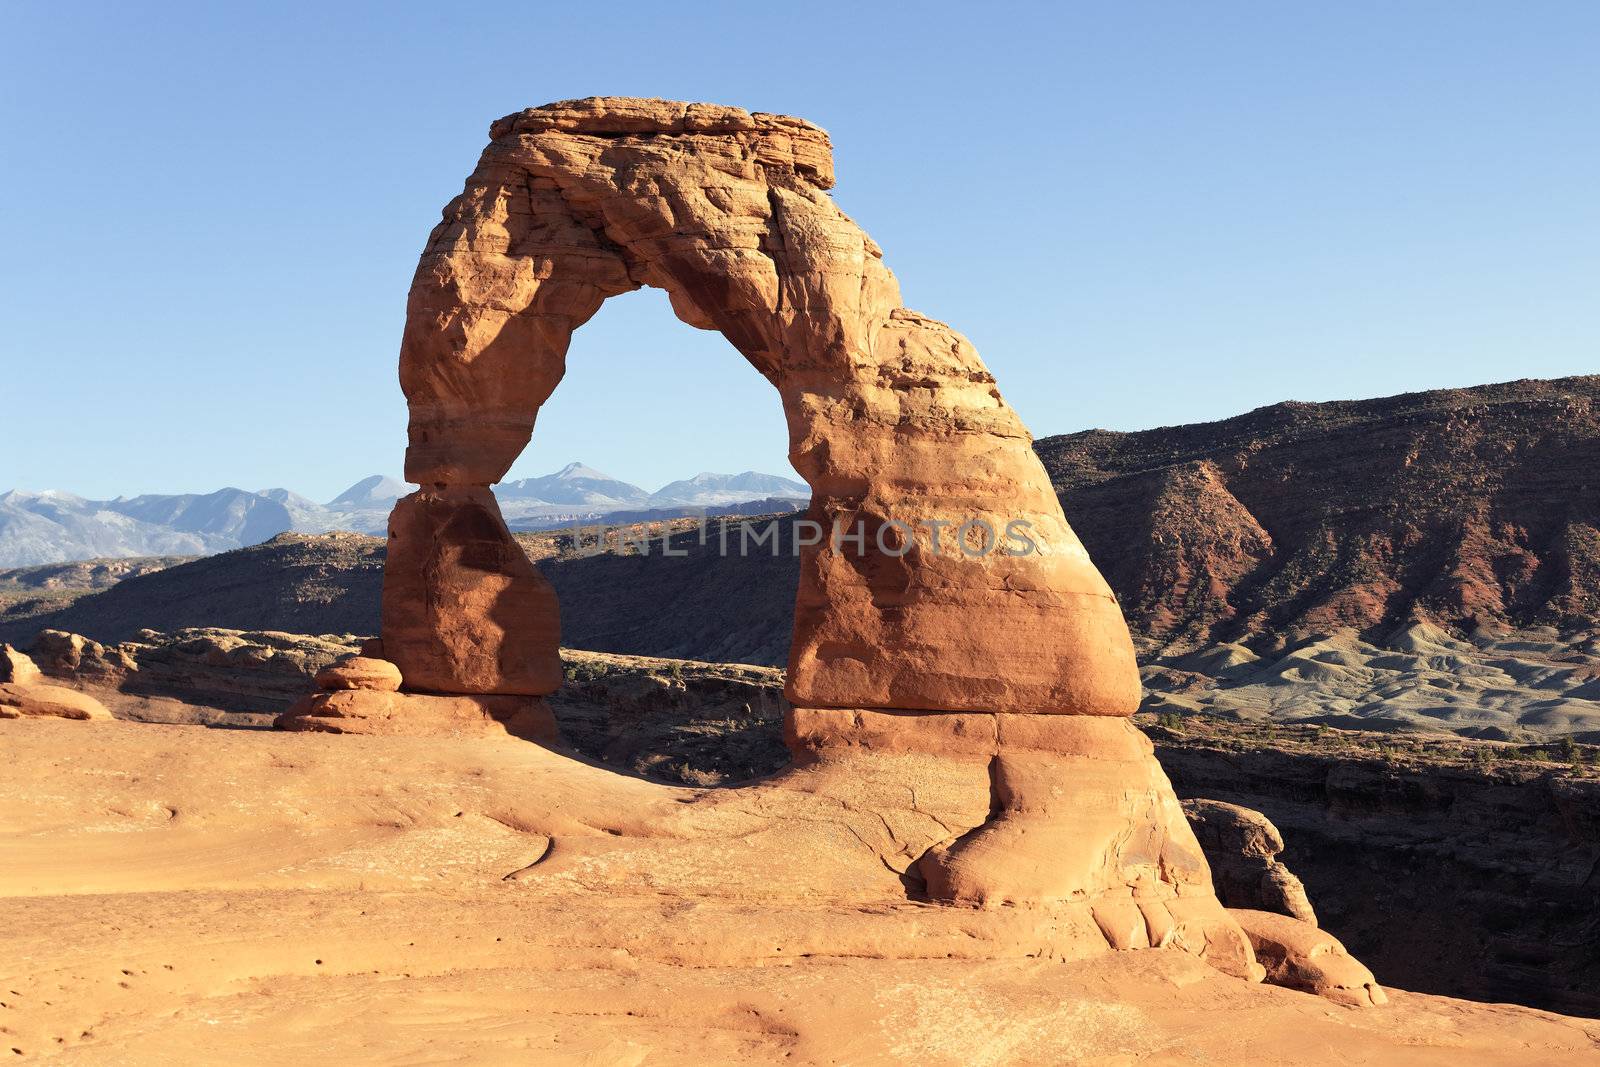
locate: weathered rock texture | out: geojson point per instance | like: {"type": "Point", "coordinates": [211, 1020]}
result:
{"type": "Point", "coordinates": [360, 672]}
{"type": "Point", "coordinates": [375, 711]}
{"type": "Point", "coordinates": [950, 633]}
{"type": "Point", "coordinates": [230, 896]}
{"type": "Point", "coordinates": [53, 701]}
{"type": "Point", "coordinates": [464, 611]}
{"type": "Point", "coordinates": [229, 670]}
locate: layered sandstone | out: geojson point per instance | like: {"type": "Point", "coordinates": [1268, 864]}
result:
{"type": "Point", "coordinates": [1298, 955]}
{"type": "Point", "coordinates": [1243, 847]}
{"type": "Point", "coordinates": [53, 701]}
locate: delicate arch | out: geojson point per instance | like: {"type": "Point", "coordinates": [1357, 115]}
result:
{"type": "Point", "coordinates": [892, 418]}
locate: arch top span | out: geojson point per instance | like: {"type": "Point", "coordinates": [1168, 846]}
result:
{"type": "Point", "coordinates": [779, 141]}
{"type": "Point", "coordinates": [893, 418]}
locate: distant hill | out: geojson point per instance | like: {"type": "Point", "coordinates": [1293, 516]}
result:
{"type": "Point", "coordinates": [574, 484]}
{"type": "Point", "coordinates": [331, 584]}
{"type": "Point", "coordinates": [376, 491]}
{"type": "Point", "coordinates": [299, 583]}
{"type": "Point", "coordinates": [1463, 507]}
{"type": "Point", "coordinates": [706, 488]}
{"type": "Point", "coordinates": [29, 591]}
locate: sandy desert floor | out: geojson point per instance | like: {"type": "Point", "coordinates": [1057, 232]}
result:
{"type": "Point", "coordinates": [178, 894]}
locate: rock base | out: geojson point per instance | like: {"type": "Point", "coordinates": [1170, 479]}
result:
{"type": "Point", "coordinates": [370, 711]}
{"type": "Point", "coordinates": [1300, 956]}
{"type": "Point", "coordinates": [1081, 822]}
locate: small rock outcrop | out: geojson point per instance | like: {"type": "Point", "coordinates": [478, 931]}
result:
{"type": "Point", "coordinates": [231, 670]}
{"type": "Point", "coordinates": [17, 669]}
{"type": "Point", "coordinates": [22, 701]}
{"type": "Point", "coordinates": [23, 693]}
{"type": "Point", "coordinates": [1299, 956]}
{"type": "Point", "coordinates": [360, 672]}
{"type": "Point", "coordinates": [360, 695]}
{"type": "Point", "coordinates": [1243, 846]}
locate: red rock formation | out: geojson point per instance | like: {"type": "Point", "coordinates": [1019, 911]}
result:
{"type": "Point", "coordinates": [950, 633]}
{"type": "Point", "coordinates": [360, 672]}
{"type": "Point", "coordinates": [1298, 955]}
{"type": "Point", "coordinates": [17, 669]}
{"type": "Point", "coordinates": [53, 701]}
{"type": "Point", "coordinates": [375, 711]}
{"type": "Point", "coordinates": [892, 416]}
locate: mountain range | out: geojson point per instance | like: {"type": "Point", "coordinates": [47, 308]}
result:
{"type": "Point", "coordinates": [53, 526]}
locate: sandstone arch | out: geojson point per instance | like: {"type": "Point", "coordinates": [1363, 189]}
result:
{"type": "Point", "coordinates": [995, 688]}
{"type": "Point", "coordinates": [891, 415]}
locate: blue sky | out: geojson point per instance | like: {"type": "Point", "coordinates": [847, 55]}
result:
{"type": "Point", "coordinates": [1140, 213]}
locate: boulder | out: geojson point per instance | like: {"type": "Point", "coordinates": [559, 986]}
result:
{"type": "Point", "coordinates": [17, 669]}
{"type": "Point", "coordinates": [360, 672]}
{"type": "Point", "coordinates": [1242, 847]}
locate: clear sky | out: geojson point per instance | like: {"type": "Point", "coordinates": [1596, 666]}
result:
{"type": "Point", "coordinates": [1140, 213]}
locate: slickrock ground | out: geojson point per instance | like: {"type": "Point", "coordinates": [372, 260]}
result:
{"type": "Point", "coordinates": [179, 894]}
{"type": "Point", "coordinates": [1447, 864]}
